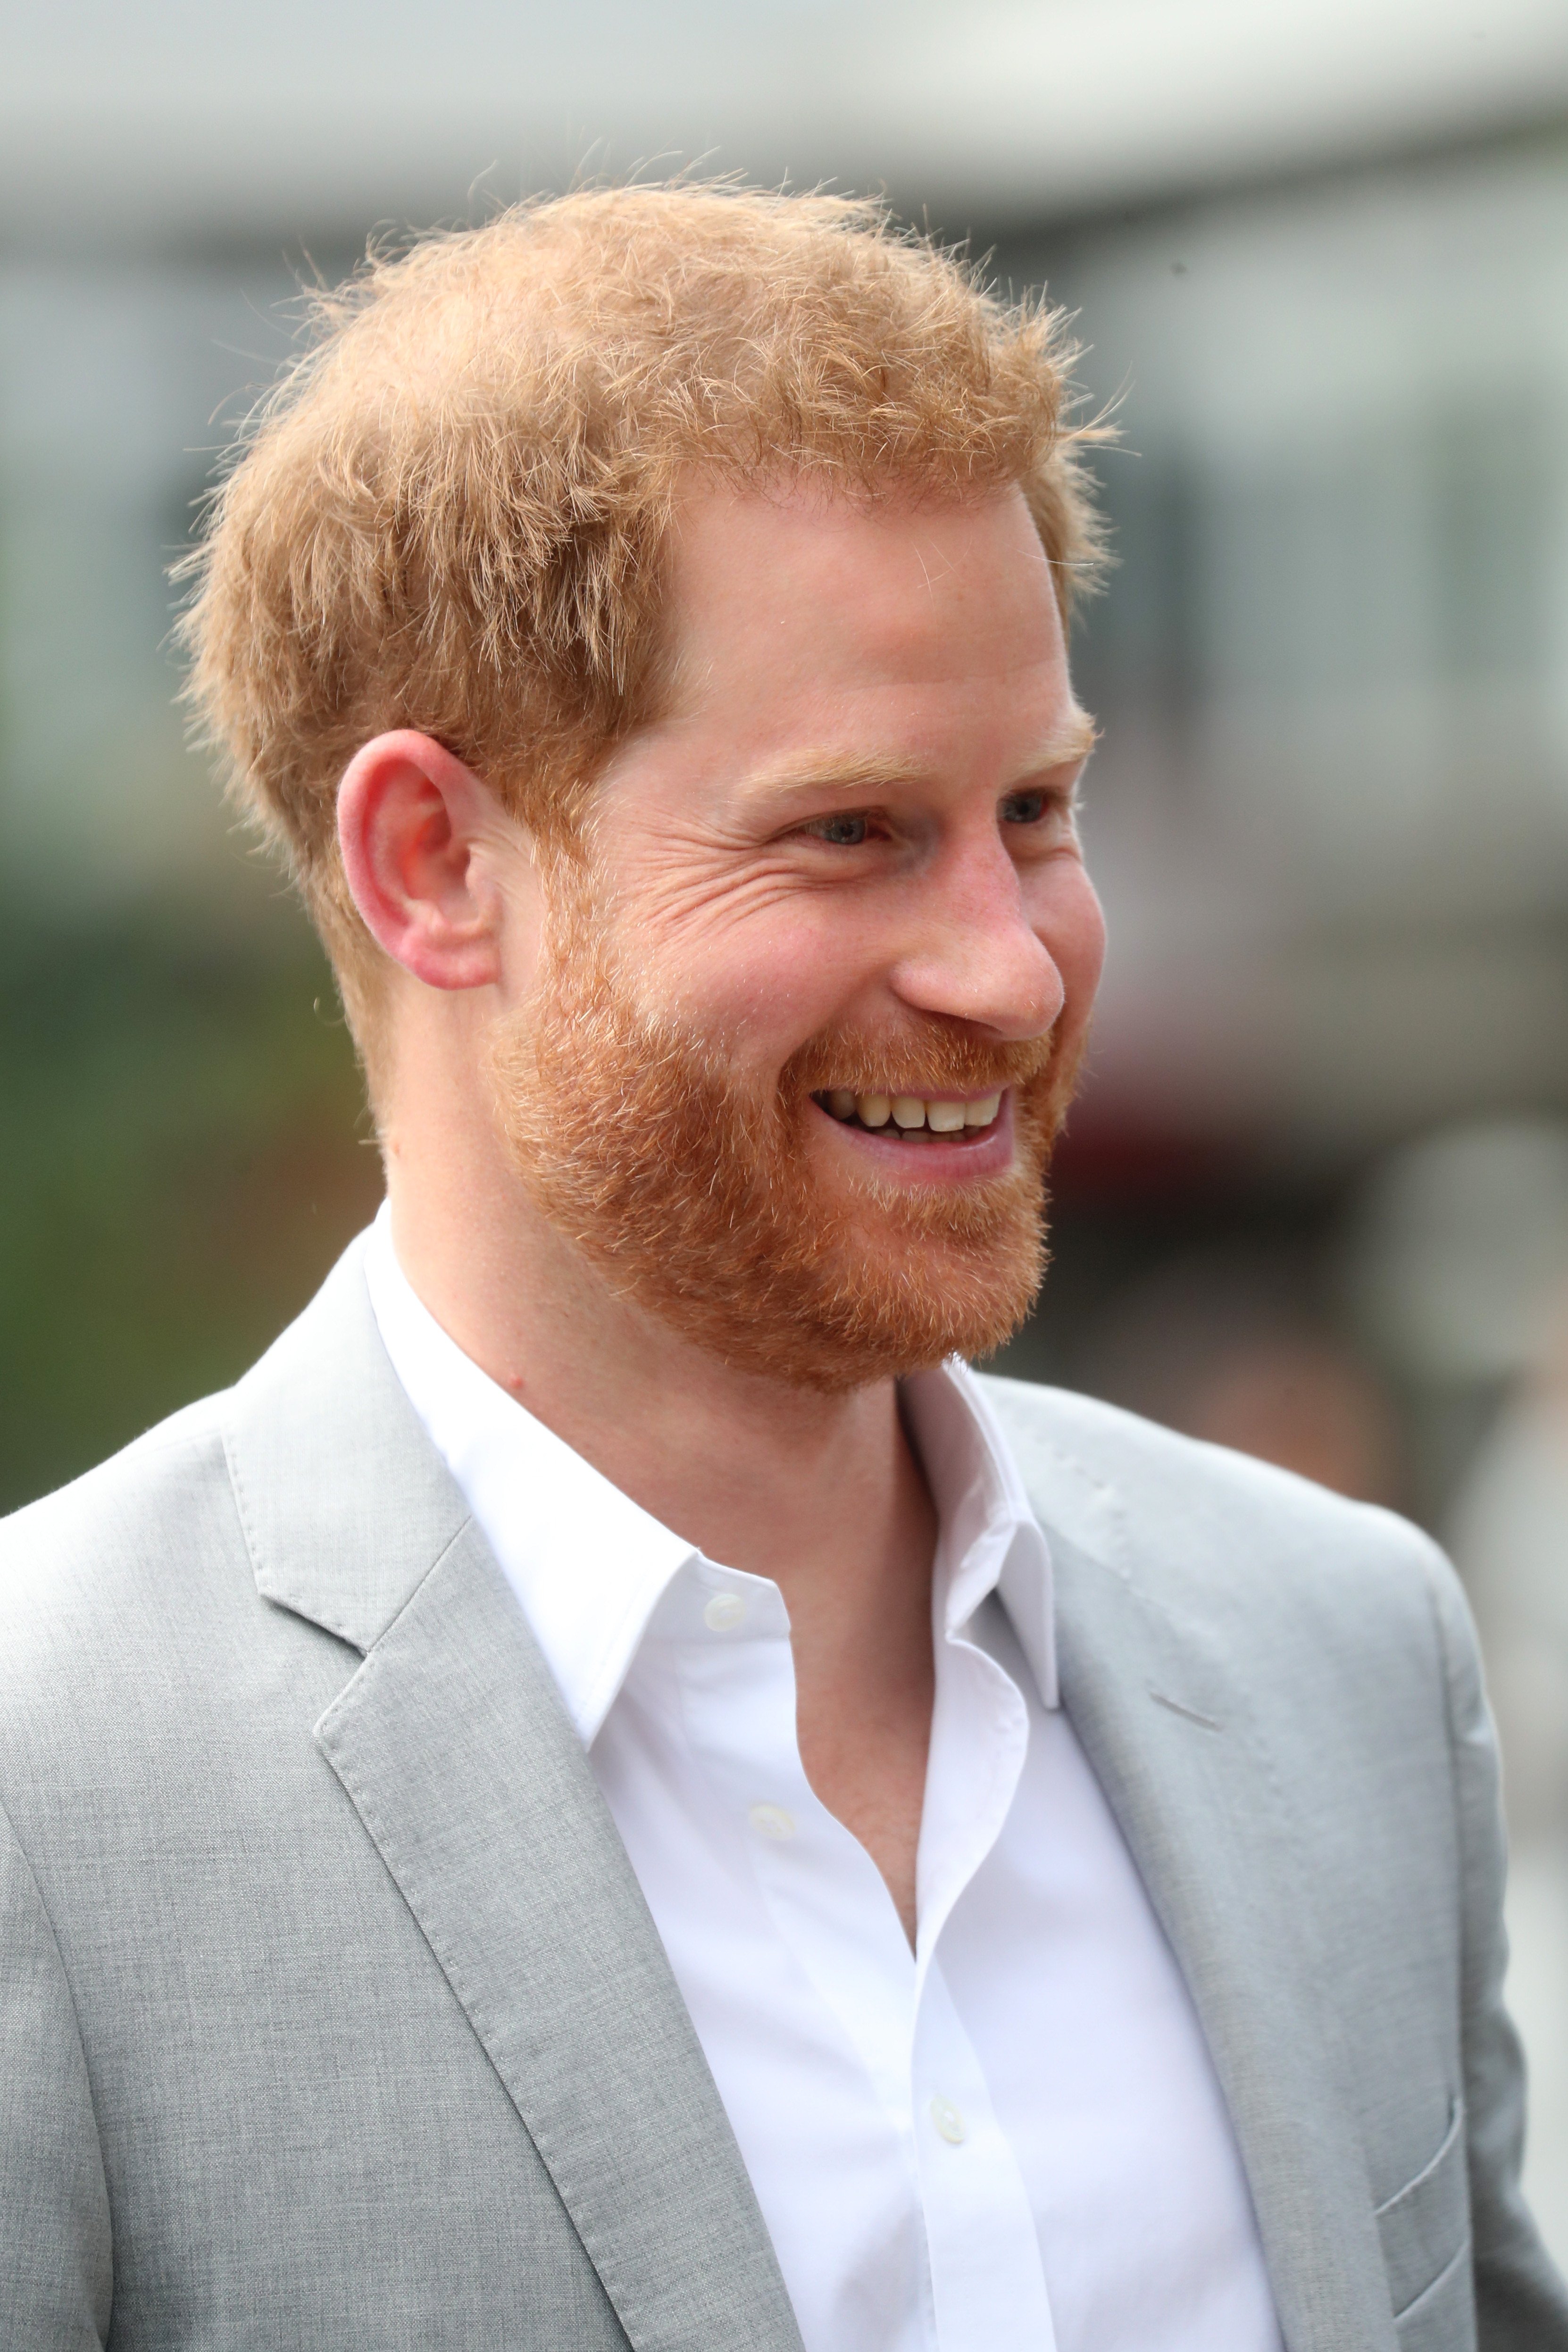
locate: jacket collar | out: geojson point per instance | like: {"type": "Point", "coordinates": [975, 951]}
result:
{"type": "Point", "coordinates": [344, 1505]}
{"type": "Point", "coordinates": [470, 1781]}
{"type": "Point", "coordinates": [1159, 1699]}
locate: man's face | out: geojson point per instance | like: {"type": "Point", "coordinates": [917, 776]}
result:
{"type": "Point", "coordinates": [810, 1015]}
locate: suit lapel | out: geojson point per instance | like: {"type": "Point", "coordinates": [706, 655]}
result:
{"type": "Point", "coordinates": [1163, 1719]}
{"type": "Point", "coordinates": [452, 1744]}
{"type": "Point", "coordinates": [458, 1755]}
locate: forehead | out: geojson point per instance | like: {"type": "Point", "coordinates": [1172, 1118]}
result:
{"type": "Point", "coordinates": [796, 588]}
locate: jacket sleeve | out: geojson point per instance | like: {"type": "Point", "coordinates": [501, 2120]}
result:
{"type": "Point", "coordinates": [56, 2274]}
{"type": "Point", "coordinates": [1522, 2303]}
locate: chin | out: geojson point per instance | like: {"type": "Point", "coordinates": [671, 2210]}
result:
{"type": "Point", "coordinates": [881, 1307]}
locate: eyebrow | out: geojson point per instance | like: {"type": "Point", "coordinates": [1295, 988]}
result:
{"type": "Point", "coordinates": [807, 772]}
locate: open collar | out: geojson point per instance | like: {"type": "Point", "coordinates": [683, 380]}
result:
{"type": "Point", "coordinates": [590, 1566]}
{"type": "Point", "coordinates": [992, 1536]}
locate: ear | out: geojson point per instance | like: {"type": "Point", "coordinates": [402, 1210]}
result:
{"type": "Point", "coordinates": [417, 831]}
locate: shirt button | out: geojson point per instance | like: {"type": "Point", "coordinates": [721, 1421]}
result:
{"type": "Point", "coordinates": [771, 1822]}
{"type": "Point", "coordinates": [724, 1613]}
{"type": "Point", "coordinates": [948, 2122]}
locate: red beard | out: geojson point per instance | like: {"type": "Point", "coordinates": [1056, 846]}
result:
{"type": "Point", "coordinates": [696, 1199]}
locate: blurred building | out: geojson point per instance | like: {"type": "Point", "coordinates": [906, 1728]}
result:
{"type": "Point", "coordinates": [1334, 669]}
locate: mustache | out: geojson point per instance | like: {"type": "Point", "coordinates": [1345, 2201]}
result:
{"type": "Point", "coordinates": [943, 1056]}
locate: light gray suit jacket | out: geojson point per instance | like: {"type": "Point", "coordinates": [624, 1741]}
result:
{"type": "Point", "coordinates": [332, 2018]}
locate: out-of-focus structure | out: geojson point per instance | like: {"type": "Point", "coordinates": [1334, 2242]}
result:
{"type": "Point", "coordinates": [1315, 1200]}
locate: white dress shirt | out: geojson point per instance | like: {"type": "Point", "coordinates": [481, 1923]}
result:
{"type": "Point", "coordinates": [1009, 2139]}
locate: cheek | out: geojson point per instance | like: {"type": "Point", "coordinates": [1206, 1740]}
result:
{"type": "Point", "coordinates": [770, 984]}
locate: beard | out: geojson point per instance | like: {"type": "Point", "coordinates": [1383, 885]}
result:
{"type": "Point", "coordinates": [693, 1193]}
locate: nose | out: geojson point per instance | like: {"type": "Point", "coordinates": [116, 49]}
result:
{"type": "Point", "coordinates": [973, 951]}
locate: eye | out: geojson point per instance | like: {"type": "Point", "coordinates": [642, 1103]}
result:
{"type": "Point", "coordinates": [1023, 808]}
{"type": "Point", "coordinates": [840, 832]}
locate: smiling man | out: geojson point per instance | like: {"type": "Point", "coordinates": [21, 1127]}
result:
{"type": "Point", "coordinates": [613, 1791]}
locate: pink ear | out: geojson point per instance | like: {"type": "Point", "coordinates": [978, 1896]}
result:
{"type": "Point", "coordinates": [408, 817]}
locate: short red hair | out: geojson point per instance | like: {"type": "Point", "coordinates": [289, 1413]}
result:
{"type": "Point", "coordinates": [450, 515]}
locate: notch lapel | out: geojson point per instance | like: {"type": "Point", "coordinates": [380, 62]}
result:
{"type": "Point", "coordinates": [1173, 1750]}
{"type": "Point", "coordinates": [453, 1745]}
{"type": "Point", "coordinates": [1163, 1716]}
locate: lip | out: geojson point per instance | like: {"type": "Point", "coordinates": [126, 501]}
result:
{"type": "Point", "coordinates": [966, 1159]}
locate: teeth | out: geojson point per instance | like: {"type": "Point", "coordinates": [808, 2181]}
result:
{"type": "Point", "coordinates": [911, 1113]}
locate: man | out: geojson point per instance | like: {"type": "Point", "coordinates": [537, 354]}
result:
{"type": "Point", "coordinates": [611, 1791]}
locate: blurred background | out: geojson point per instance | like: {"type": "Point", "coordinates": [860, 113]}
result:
{"type": "Point", "coordinates": [1315, 1200]}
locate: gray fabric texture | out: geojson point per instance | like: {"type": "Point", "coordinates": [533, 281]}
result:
{"type": "Point", "coordinates": [331, 2014]}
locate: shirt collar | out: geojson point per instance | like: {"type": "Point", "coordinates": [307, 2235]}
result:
{"type": "Point", "coordinates": [991, 1540]}
{"type": "Point", "coordinates": [590, 1566]}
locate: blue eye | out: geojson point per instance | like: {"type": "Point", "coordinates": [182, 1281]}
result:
{"type": "Point", "coordinates": [1023, 808]}
{"type": "Point", "coordinates": [842, 832]}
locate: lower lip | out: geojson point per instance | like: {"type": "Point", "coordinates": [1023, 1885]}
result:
{"type": "Point", "coordinates": [978, 1152]}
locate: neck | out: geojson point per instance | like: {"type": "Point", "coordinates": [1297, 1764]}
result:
{"type": "Point", "coordinates": [821, 1494]}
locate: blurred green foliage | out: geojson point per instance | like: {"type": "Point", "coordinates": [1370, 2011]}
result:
{"type": "Point", "coordinates": [185, 1152]}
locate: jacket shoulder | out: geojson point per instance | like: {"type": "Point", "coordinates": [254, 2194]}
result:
{"type": "Point", "coordinates": [1116, 1481]}
{"type": "Point", "coordinates": [138, 1522]}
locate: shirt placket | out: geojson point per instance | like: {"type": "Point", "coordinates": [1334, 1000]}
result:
{"type": "Point", "coordinates": [824, 1893]}
{"type": "Point", "coordinates": [985, 2290]}
{"type": "Point", "coordinates": [988, 2282]}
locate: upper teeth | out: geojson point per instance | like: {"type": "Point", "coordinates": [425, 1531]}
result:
{"type": "Point", "coordinates": [944, 1114]}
